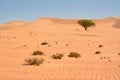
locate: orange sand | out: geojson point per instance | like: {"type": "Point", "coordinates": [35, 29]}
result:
{"type": "Point", "coordinates": [18, 40]}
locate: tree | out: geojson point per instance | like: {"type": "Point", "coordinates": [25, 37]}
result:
{"type": "Point", "coordinates": [86, 23]}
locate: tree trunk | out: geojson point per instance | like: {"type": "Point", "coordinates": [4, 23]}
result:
{"type": "Point", "coordinates": [85, 28]}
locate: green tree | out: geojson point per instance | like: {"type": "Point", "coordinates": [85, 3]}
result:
{"type": "Point", "coordinates": [86, 23]}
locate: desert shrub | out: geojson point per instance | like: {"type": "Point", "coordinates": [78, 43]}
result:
{"type": "Point", "coordinates": [37, 53]}
{"type": "Point", "coordinates": [49, 45]}
{"type": "Point", "coordinates": [44, 43]}
{"type": "Point", "coordinates": [98, 52]}
{"type": "Point", "coordinates": [100, 46]}
{"type": "Point", "coordinates": [74, 54]}
{"type": "Point", "coordinates": [57, 56]}
{"type": "Point", "coordinates": [34, 61]}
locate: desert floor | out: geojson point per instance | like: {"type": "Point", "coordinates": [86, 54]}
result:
{"type": "Point", "coordinates": [18, 40]}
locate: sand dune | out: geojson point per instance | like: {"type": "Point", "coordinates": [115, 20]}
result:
{"type": "Point", "coordinates": [117, 24]}
{"type": "Point", "coordinates": [40, 22]}
{"type": "Point", "coordinates": [14, 23]}
{"type": "Point", "coordinates": [63, 36]}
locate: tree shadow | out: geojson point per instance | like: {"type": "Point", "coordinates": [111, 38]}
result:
{"type": "Point", "coordinates": [88, 35]}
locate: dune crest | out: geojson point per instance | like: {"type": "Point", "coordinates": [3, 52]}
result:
{"type": "Point", "coordinates": [40, 22]}
{"type": "Point", "coordinates": [16, 23]}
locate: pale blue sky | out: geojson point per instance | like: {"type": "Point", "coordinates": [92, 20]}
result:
{"type": "Point", "coordinates": [32, 9]}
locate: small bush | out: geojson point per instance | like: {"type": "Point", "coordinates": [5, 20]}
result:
{"type": "Point", "coordinates": [49, 45]}
{"type": "Point", "coordinates": [44, 43]}
{"type": "Point", "coordinates": [57, 56]}
{"type": "Point", "coordinates": [37, 53]}
{"type": "Point", "coordinates": [100, 46]}
{"type": "Point", "coordinates": [74, 54]}
{"type": "Point", "coordinates": [34, 61]}
{"type": "Point", "coordinates": [101, 57]}
{"type": "Point", "coordinates": [98, 52]}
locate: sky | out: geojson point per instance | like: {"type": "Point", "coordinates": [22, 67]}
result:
{"type": "Point", "coordinates": [28, 10]}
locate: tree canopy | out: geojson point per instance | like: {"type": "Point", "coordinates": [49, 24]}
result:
{"type": "Point", "coordinates": [86, 23]}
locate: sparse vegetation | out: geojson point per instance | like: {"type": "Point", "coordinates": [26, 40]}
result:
{"type": "Point", "coordinates": [86, 23]}
{"type": "Point", "coordinates": [100, 46]}
{"type": "Point", "coordinates": [37, 53]}
{"type": "Point", "coordinates": [44, 43]}
{"type": "Point", "coordinates": [34, 61]}
{"type": "Point", "coordinates": [98, 52]}
{"type": "Point", "coordinates": [104, 57]}
{"type": "Point", "coordinates": [24, 46]}
{"type": "Point", "coordinates": [101, 57]}
{"type": "Point", "coordinates": [57, 56]}
{"type": "Point", "coordinates": [49, 45]}
{"type": "Point", "coordinates": [74, 54]}
{"type": "Point", "coordinates": [109, 60]}
{"type": "Point", "coordinates": [66, 44]}
{"type": "Point", "coordinates": [56, 42]}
